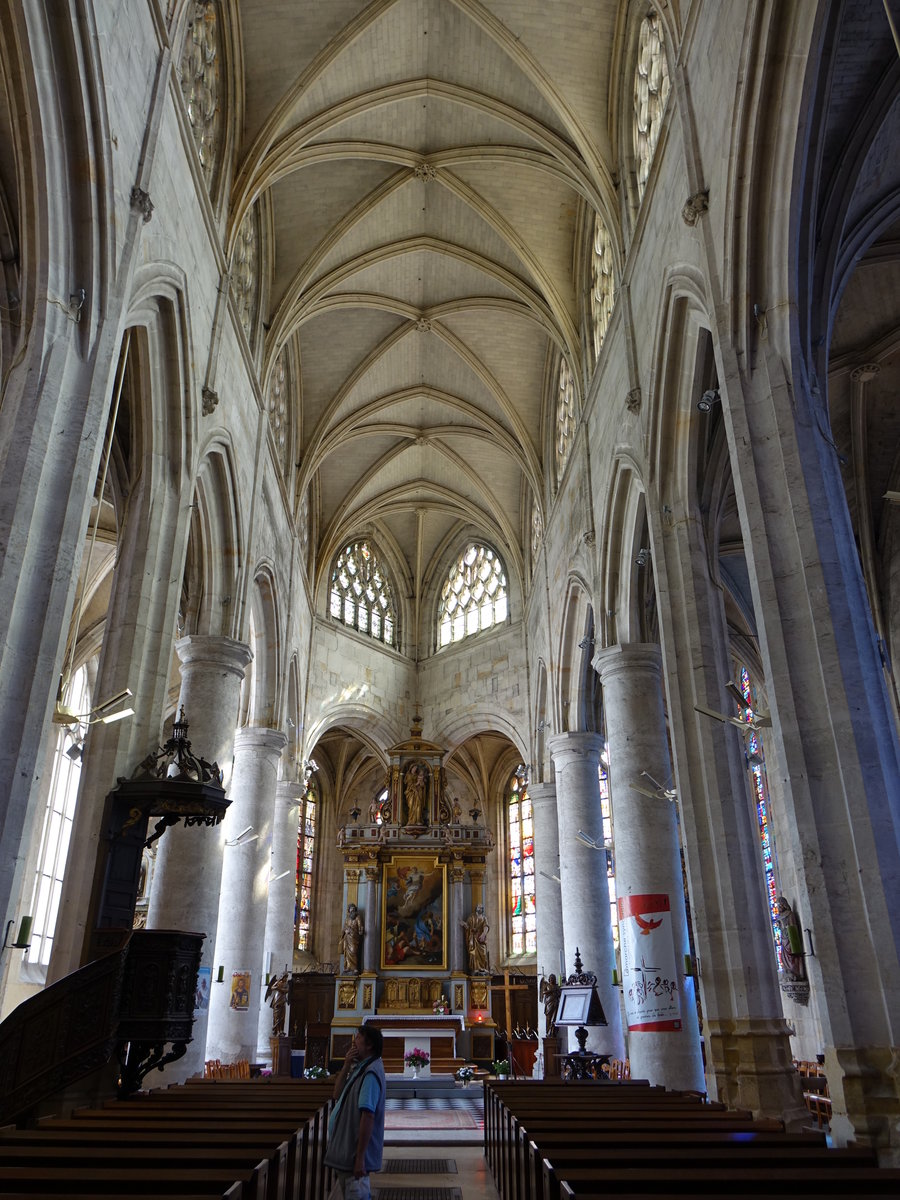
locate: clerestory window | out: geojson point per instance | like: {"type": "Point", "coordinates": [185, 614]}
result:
{"type": "Point", "coordinates": [474, 598]}
{"type": "Point", "coordinates": [520, 831]}
{"type": "Point", "coordinates": [651, 89]}
{"type": "Point", "coordinates": [306, 844]}
{"type": "Point", "coordinates": [361, 595]}
{"type": "Point", "coordinates": [603, 293]}
{"type": "Point", "coordinates": [565, 417]}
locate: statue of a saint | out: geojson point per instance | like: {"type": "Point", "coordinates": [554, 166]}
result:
{"type": "Point", "coordinates": [277, 994]}
{"type": "Point", "coordinates": [549, 994]}
{"type": "Point", "coordinates": [476, 928]}
{"type": "Point", "coordinates": [414, 792]}
{"type": "Point", "coordinates": [351, 940]}
{"type": "Point", "coordinates": [791, 940]}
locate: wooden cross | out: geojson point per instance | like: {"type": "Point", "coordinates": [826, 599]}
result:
{"type": "Point", "coordinates": [506, 987]}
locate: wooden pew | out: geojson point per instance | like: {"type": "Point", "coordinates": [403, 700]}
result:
{"type": "Point", "coordinates": [98, 1180]}
{"type": "Point", "coordinates": [849, 1182]}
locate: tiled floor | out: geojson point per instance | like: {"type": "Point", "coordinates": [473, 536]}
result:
{"type": "Point", "coordinates": [454, 1120]}
{"type": "Point", "coordinates": [472, 1178]}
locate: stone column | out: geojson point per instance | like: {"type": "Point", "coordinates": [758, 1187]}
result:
{"type": "Point", "coordinates": [648, 858]}
{"type": "Point", "coordinates": [372, 921]}
{"type": "Point", "coordinates": [458, 964]}
{"type": "Point", "coordinates": [547, 892]}
{"type": "Point", "coordinates": [278, 946]}
{"type": "Point", "coordinates": [585, 891]}
{"type": "Point", "coordinates": [188, 872]}
{"type": "Point", "coordinates": [245, 889]}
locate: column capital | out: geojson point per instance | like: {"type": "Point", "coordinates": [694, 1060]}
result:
{"type": "Point", "coordinates": [542, 793]}
{"type": "Point", "coordinates": [259, 737]}
{"type": "Point", "coordinates": [628, 657]}
{"type": "Point", "coordinates": [222, 652]}
{"type": "Point", "coordinates": [567, 748]}
{"type": "Point", "coordinates": [289, 792]}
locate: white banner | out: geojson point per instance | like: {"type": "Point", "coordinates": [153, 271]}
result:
{"type": "Point", "coordinates": [649, 977]}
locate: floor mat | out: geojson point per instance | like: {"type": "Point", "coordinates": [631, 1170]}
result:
{"type": "Point", "coordinates": [419, 1166]}
{"type": "Point", "coordinates": [417, 1193]}
{"type": "Point", "coordinates": [445, 1118]}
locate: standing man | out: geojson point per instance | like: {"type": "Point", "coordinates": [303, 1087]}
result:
{"type": "Point", "coordinates": [356, 1125]}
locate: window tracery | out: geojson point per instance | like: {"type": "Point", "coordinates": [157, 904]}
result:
{"type": "Point", "coordinates": [245, 272]}
{"type": "Point", "coordinates": [603, 294]}
{"type": "Point", "coordinates": [201, 84]}
{"type": "Point", "coordinates": [278, 410]}
{"type": "Point", "coordinates": [565, 416]}
{"type": "Point", "coordinates": [537, 533]}
{"type": "Point", "coordinates": [520, 831]}
{"type": "Point", "coordinates": [651, 89]}
{"type": "Point", "coordinates": [474, 597]}
{"type": "Point", "coordinates": [361, 594]}
{"type": "Point", "coordinates": [606, 815]}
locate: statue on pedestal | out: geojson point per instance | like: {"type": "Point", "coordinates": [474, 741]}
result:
{"type": "Point", "coordinates": [414, 792]}
{"type": "Point", "coordinates": [351, 940]}
{"type": "Point", "coordinates": [476, 928]}
{"type": "Point", "coordinates": [549, 994]}
{"type": "Point", "coordinates": [276, 994]}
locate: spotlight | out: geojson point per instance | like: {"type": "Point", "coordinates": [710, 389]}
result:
{"type": "Point", "coordinates": [642, 558]}
{"type": "Point", "coordinates": [708, 399]}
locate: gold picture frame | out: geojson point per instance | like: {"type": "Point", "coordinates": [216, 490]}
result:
{"type": "Point", "coordinates": [414, 913]}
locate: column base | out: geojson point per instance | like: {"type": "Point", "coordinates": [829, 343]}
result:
{"type": "Point", "coordinates": [864, 1085]}
{"type": "Point", "coordinates": [748, 1065]}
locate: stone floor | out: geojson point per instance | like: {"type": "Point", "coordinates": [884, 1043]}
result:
{"type": "Point", "coordinates": [465, 1175]}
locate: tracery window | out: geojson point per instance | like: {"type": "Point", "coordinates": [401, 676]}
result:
{"type": "Point", "coordinates": [602, 283]}
{"type": "Point", "coordinates": [306, 844]}
{"type": "Point", "coordinates": [537, 533]}
{"type": "Point", "coordinates": [361, 595]}
{"type": "Point", "coordinates": [651, 89]}
{"type": "Point", "coordinates": [474, 598]}
{"type": "Point", "coordinates": [245, 273]}
{"type": "Point", "coordinates": [201, 84]}
{"type": "Point", "coordinates": [278, 410]}
{"type": "Point", "coordinates": [757, 763]}
{"type": "Point", "coordinates": [520, 830]}
{"type": "Point", "coordinates": [565, 416]}
{"type": "Point", "coordinates": [57, 828]}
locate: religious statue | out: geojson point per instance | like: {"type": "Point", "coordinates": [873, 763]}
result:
{"type": "Point", "coordinates": [277, 994]}
{"type": "Point", "coordinates": [457, 811]}
{"type": "Point", "coordinates": [414, 792]}
{"type": "Point", "coordinates": [549, 994]}
{"type": "Point", "coordinates": [351, 940]}
{"type": "Point", "coordinates": [791, 941]}
{"type": "Point", "coordinates": [375, 812]}
{"type": "Point", "coordinates": [476, 928]}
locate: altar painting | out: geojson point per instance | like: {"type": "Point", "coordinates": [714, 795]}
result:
{"type": "Point", "coordinates": [414, 914]}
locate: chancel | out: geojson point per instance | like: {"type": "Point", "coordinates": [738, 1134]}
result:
{"type": "Point", "coordinates": [478, 419]}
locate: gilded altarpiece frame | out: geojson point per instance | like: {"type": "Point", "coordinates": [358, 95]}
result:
{"type": "Point", "coordinates": [414, 913]}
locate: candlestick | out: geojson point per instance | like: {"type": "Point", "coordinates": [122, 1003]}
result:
{"type": "Point", "coordinates": [24, 935]}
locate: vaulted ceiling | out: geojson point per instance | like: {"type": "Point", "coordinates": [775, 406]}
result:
{"type": "Point", "coordinates": [426, 162]}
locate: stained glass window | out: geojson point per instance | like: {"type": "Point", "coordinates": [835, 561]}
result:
{"type": "Point", "coordinates": [278, 410]}
{"type": "Point", "coordinates": [245, 272]}
{"type": "Point", "coordinates": [306, 845]}
{"type": "Point", "coordinates": [651, 89]}
{"type": "Point", "coordinates": [606, 812]}
{"type": "Point", "coordinates": [474, 597]}
{"type": "Point", "coordinates": [361, 595]}
{"type": "Point", "coordinates": [565, 416]}
{"type": "Point", "coordinates": [57, 828]}
{"type": "Point", "coordinates": [520, 828]}
{"type": "Point", "coordinates": [603, 293]}
{"type": "Point", "coordinates": [757, 763]}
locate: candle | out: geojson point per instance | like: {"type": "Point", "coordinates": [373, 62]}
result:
{"type": "Point", "coordinates": [220, 978]}
{"type": "Point", "coordinates": [562, 967]}
{"type": "Point", "coordinates": [615, 977]}
{"type": "Point", "coordinates": [687, 965]}
{"type": "Point", "coordinates": [24, 935]}
{"type": "Point", "coordinates": [794, 940]}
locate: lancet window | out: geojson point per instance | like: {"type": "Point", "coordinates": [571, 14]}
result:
{"type": "Point", "coordinates": [57, 828]}
{"type": "Point", "coordinates": [520, 830]}
{"type": "Point", "coordinates": [201, 84]}
{"type": "Point", "coordinates": [537, 533]}
{"type": "Point", "coordinates": [606, 813]}
{"type": "Point", "coordinates": [565, 416]}
{"type": "Point", "coordinates": [306, 844]}
{"type": "Point", "coordinates": [474, 597]}
{"type": "Point", "coordinates": [361, 595]}
{"type": "Point", "coordinates": [651, 89]}
{"type": "Point", "coordinates": [757, 762]}
{"type": "Point", "coordinates": [603, 294]}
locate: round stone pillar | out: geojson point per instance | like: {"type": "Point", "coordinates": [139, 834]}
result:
{"type": "Point", "coordinates": [585, 891]}
{"type": "Point", "coordinates": [458, 964]}
{"type": "Point", "coordinates": [278, 947]}
{"type": "Point", "coordinates": [648, 861]}
{"type": "Point", "coordinates": [244, 892]}
{"type": "Point", "coordinates": [188, 871]}
{"type": "Point", "coordinates": [547, 892]}
{"type": "Point", "coordinates": [372, 939]}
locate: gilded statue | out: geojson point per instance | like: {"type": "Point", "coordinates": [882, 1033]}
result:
{"type": "Point", "coordinates": [414, 786]}
{"type": "Point", "coordinates": [476, 928]}
{"type": "Point", "coordinates": [351, 940]}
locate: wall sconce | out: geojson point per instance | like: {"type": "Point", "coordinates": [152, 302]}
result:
{"type": "Point", "coordinates": [220, 975]}
{"type": "Point", "coordinates": [709, 398]}
{"type": "Point", "coordinates": [242, 839]}
{"type": "Point", "coordinates": [23, 937]}
{"type": "Point", "coordinates": [76, 303]}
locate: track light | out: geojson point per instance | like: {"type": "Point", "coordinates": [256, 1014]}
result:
{"type": "Point", "coordinates": [709, 398]}
{"type": "Point", "coordinates": [642, 557]}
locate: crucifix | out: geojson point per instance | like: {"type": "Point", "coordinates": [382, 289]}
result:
{"type": "Point", "coordinates": [507, 988]}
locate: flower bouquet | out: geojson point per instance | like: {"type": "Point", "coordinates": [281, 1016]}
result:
{"type": "Point", "coordinates": [417, 1059]}
{"type": "Point", "coordinates": [465, 1075]}
{"type": "Point", "coordinates": [500, 1066]}
{"type": "Point", "coordinates": [441, 1006]}
{"type": "Point", "coordinates": [315, 1073]}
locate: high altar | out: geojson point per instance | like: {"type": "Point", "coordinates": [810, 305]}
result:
{"type": "Point", "coordinates": [413, 874]}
